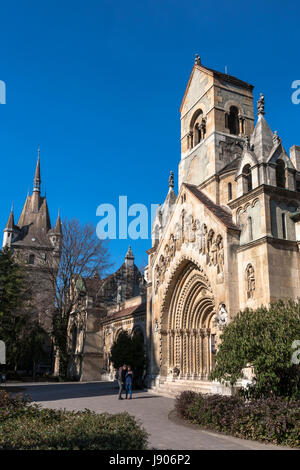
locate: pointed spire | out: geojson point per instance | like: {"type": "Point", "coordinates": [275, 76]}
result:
{"type": "Point", "coordinates": [58, 226]}
{"type": "Point", "coordinates": [11, 221]}
{"type": "Point", "coordinates": [129, 254]}
{"type": "Point", "coordinates": [262, 138]}
{"type": "Point", "coordinates": [37, 177]}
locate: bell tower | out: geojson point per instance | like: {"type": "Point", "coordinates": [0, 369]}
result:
{"type": "Point", "coordinates": [216, 116]}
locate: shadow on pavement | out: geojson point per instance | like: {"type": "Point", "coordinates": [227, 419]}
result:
{"type": "Point", "coordinates": [63, 391]}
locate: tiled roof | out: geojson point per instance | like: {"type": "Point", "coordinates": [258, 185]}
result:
{"type": "Point", "coordinates": [125, 312]}
{"type": "Point", "coordinates": [218, 211]}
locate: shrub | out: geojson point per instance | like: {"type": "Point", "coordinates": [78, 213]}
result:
{"type": "Point", "coordinates": [27, 426]}
{"type": "Point", "coordinates": [262, 338]}
{"type": "Point", "coordinates": [183, 401]}
{"type": "Point", "coordinates": [275, 420]}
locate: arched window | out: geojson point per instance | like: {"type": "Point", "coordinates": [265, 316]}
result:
{"type": "Point", "coordinates": [229, 191]}
{"type": "Point", "coordinates": [233, 120]}
{"type": "Point", "coordinates": [280, 174]}
{"type": "Point", "coordinates": [31, 259]}
{"type": "Point", "coordinates": [248, 176]}
{"type": "Point", "coordinates": [250, 229]}
{"type": "Point", "coordinates": [197, 129]}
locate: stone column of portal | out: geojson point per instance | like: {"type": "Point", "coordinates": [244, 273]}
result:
{"type": "Point", "coordinates": [201, 353]}
{"type": "Point", "coordinates": [205, 346]}
{"type": "Point", "coordinates": [188, 354]}
{"type": "Point", "coordinates": [198, 356]}
{"type": "Point", "coordinates": [181, 353]}
{"type": "Point", "coordinates": [184, 352]}
{"type": "Point", "coordinates": [195, 354]}
{"type": "Point", "coordinates": [208, 352]}
{"type": "Point", "coordinates": [172, 363]}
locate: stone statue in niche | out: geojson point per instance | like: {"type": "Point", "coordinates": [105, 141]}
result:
{"type": "Point", "coordinates": [203, 239]}
{"type": "Point", "coordinates": [220, 254]}
{"type": "Point", "coordinates": [221, 318]}
{"type": "Point", "coordinates": [250, 280]}
{"type": "Point", "coordinates": [209, 246]}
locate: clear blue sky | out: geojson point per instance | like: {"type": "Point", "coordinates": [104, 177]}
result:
{"type": "Point", "coordinates": [98, 85]}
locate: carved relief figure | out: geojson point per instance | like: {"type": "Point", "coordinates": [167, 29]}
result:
{"type": "Point", "coordinates": [220, 254]}
{"type": "Point", "coordinates": [250, 280]}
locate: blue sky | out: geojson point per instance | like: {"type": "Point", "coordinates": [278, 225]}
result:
{"type": "Point", "coordinates": [98, 85]}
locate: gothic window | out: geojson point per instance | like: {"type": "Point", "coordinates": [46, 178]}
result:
{"type": "Point", "coordinates": [280, 176]}
{"type": "Point", "coordinates": [283, 225]}
{"type": "Point", "coordinates": [229, 191]}
{"type": "Point", "coordinates": [248, 176]}
{"type": "Point", "coordinates": [31, 259]}
{"type": "Point", "coordinates": [233, 120]}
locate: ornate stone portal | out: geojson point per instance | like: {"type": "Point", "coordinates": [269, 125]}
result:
{"type": "Point", "coordinates": [187, 330]}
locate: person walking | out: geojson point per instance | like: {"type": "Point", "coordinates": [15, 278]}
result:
{"type": "Point", "coordinates": [121, 379]}
{"type": "Point", "coordinates": [129, 382]}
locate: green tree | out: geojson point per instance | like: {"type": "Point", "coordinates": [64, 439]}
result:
{"type": "Point", "coordinates": [14, 299]}
{"type": "Point", "coordinates": [130, 350]}
{"type": "Point", "coordinates": [262, 338]}
{"type": "Point", "coordinates": [83, 255]}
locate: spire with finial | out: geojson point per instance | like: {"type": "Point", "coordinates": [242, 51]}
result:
{"type": "Point", "coordinates": [129, 258]}
{"type": "Point", "coordinates": [197, 60]}
{"type": "Point", "coordinates": [261, 105]}
{"type": "Point", "coordinates": [37, 177]}
{"type": "Point", "coordinates": [171, 180]}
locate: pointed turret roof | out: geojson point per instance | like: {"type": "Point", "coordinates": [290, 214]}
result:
{"type": "Point", "coordinates": [262, 138]}
{"type": "Point", "coordinates": [58, 226]}
{"type": "Point", "coordinates": [11, 221]}
{"type": "Point", "coordinates": [37, 176]}
{"type": "Point", "coordinates": [129, 254]}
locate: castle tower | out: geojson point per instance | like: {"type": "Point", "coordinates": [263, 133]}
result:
{"type": "Point", "coordinates": [37, 245]}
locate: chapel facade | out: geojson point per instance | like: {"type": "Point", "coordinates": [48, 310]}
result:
{"type": "Point", "coordinates": [229, 239]}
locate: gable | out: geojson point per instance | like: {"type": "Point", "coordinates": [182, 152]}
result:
{"type": "Point", "coordinates": [199, 82]}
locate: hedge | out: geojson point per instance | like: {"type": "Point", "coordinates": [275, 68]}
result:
{"type": "Point", "coordinates": [270, 420]}
{"type": "Point", "coordinates": [25, 426]}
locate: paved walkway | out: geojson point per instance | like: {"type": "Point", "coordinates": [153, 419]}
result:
{"type": "Point", "coordinates": [152, 410]}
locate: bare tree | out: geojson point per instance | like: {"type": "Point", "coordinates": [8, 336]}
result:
{"type": "Point", "coordinates": [79, 254]}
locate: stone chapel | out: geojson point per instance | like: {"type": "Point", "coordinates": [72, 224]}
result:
{"type": "Point", "coordinates": [229, 239]}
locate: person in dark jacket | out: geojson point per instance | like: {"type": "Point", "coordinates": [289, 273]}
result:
{"type": "Point", "coordinates": [121, 379]}
{"type": "Point", "coordinates": [128, 382]}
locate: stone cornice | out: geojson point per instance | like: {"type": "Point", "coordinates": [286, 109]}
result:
{"type": "Point", "coordinates": [278, 242]}
{"type": "Point", "coordinates": [266, 189]}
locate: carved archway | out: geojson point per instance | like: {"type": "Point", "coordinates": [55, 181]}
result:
{"type": "Point", "coordinates": [187, 331]}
